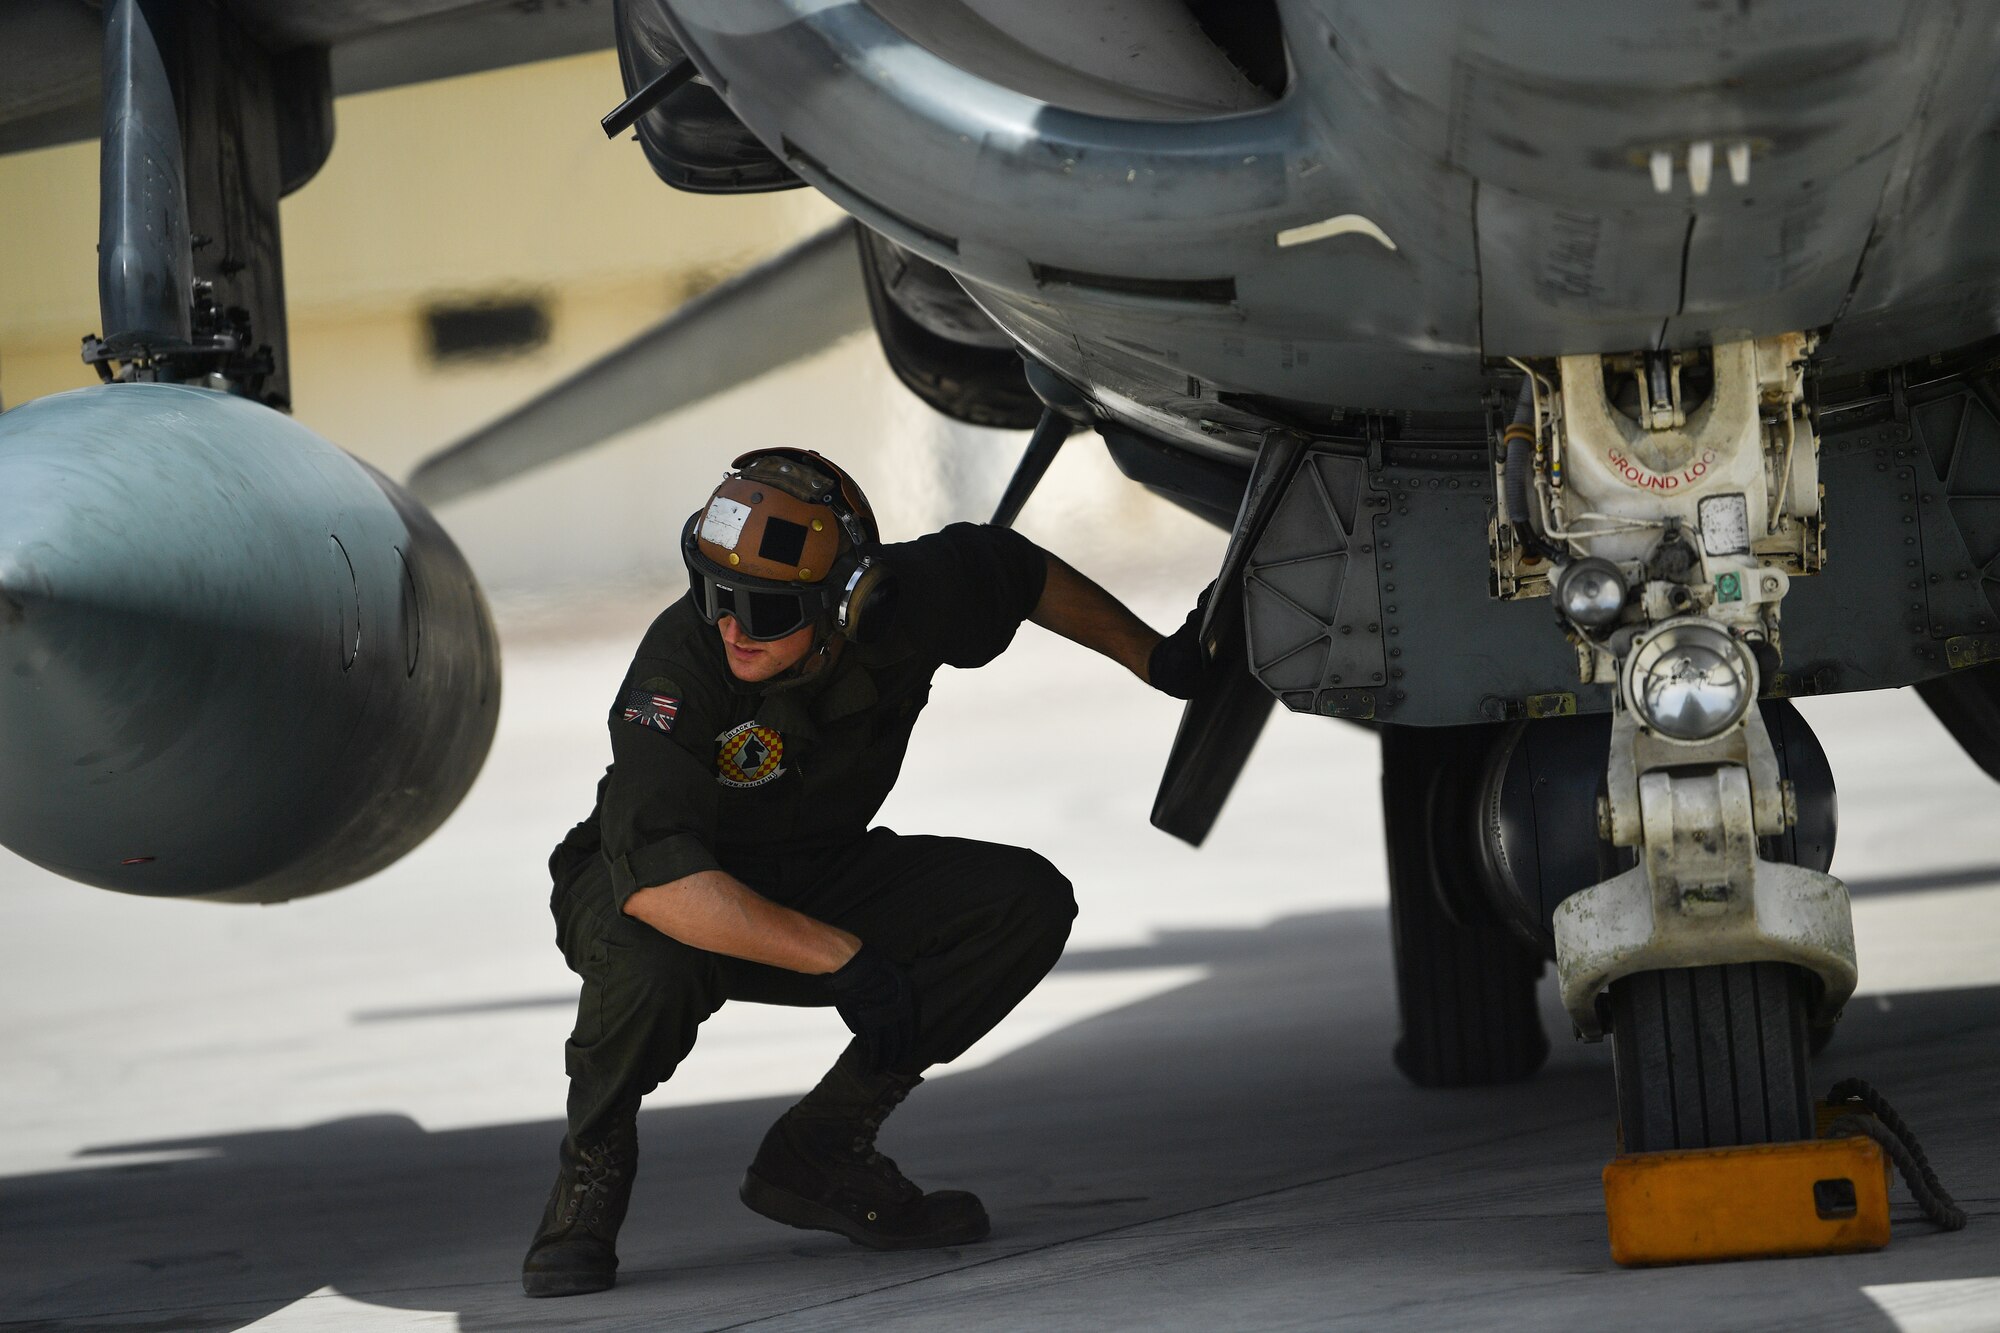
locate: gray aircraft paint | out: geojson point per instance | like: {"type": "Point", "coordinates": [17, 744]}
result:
{"type": "Point", "coordinates": [235, 662]}
{"type": "Point", "coordinates": [1503, 151]}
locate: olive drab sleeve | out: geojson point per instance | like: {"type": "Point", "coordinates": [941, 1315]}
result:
{"type": "Point", "coordinates": [964, 590]}
{"type": "Point", "coordinates": [658, 811]}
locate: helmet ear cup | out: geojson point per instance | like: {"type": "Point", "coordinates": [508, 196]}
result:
{"type": "Point", "coordinates": [868, 603]}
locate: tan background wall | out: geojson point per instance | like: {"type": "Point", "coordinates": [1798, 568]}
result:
{"type": "Point", "coordinates": [502, 183]}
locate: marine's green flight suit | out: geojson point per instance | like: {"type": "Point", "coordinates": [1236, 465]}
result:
{"type": "Point", "coordinates": [775, 783]}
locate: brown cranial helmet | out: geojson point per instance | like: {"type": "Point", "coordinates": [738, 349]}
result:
{"type": "Point", "coordinates": [785, 539]}
{"type": "Point", "coordinates": [785, 515]}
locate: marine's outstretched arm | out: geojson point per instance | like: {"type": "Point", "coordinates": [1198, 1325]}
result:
{"type": "Point", "coordinates": [1078, 609]}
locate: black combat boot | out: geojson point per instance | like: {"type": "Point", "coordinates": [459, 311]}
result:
{"type": "Point", "coordinates": [574, 1251]}
{"type": "Point", "coordinates": [818, 1170]}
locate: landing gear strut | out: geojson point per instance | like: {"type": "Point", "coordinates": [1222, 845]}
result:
{"type": "Point", "coordinates": [1677, 494]}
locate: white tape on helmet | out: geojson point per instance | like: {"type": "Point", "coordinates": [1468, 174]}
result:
{"type": "Point", "coordinates": [723, 523]}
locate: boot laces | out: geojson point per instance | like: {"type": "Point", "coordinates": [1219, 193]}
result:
{"type": "Point", "coordinates": [596, 1176]}
{"type": "Point", "coordinates": [863, 1145]}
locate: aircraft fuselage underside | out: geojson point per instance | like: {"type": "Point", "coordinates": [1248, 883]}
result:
{"type": "Point", "coordinates": [1436, 185]}
{"type": "Point", "coordinates": [1356, 252]}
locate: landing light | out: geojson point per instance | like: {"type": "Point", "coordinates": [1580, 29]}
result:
{"type": "Point", "coordinates": [1689, 680]}
{"type": "Point", "coordinates": [1591, 593]}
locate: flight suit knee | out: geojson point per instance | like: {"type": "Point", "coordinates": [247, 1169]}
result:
{"type": "Point", "coordinates": [644, 998]}
{"type": "Point", "coordinates": [1039, 893]}
{"type": "Point", "coordinates": [1009, 927]}
{"type": "Point", "coordinates": [1031, 907]}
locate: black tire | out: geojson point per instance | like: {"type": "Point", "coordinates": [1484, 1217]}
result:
{"type": "Point", "coordinates": [1709, 1057]}
{"type": "Point", "coordinates": [1465, 985]}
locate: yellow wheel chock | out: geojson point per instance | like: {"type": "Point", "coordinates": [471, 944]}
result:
{"type": "Point", "coordinates": [1770, 1200]}
{"type": "Point", "coordinates": [1762, 1201]}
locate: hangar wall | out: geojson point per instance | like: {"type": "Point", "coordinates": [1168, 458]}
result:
{"type": "Point", "coordinates": [499, 189]}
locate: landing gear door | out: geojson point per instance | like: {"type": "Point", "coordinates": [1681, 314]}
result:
{"type": "Point", "coordinates": [1221, 723]}
{"type": "Point", "coordinates": [692, 139]}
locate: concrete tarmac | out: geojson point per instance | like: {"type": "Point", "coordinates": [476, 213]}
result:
{"type": "Point", "coordinates": [343, 1113]}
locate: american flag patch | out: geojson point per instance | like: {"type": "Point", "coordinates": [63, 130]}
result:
{"type": "Point", "coordinates": [651, 710]}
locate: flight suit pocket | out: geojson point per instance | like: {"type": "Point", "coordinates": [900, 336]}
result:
{"type": "Point", "coordinates": [596, 974]}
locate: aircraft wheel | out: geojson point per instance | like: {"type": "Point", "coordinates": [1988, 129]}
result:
{"type": "Point", "coordinates": [1707, 1057]}
{"type": "Point", "coordinates": [1465, 985]}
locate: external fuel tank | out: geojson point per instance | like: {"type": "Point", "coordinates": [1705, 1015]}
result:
{"type": "Point", "coordinates": [236, 663]}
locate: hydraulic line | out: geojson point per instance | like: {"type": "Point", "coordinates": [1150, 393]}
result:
{"type": "Point", "coordinates": [1520, 458]}
{"type": "Point", "coordinates": [1777, 514]}
{"type": "Point", "coordinates": [1518, 462]}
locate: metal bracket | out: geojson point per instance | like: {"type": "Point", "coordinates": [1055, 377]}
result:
{"type": "Point", "coordinates": [1702, 896]}
{"type": "Point", "coordinates": [1635, 753]}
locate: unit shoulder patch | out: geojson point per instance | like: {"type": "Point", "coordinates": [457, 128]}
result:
{"type": "Point", "coordinates": [749, 755]}
{"type": "Point", "coordinates": [647, 706]}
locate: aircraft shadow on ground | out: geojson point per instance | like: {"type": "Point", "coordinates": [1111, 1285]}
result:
{"type": "Point", "coordinates": [1269, 1076]}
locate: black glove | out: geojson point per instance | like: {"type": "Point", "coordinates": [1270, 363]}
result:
{"type": "Point", "coordinates": [1179, 660]}
{"type": "Point", "coordinates": [873, 995]}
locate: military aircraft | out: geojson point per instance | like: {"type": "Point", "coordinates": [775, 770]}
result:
{"type": "Point", "coordinates": [1578, 384]}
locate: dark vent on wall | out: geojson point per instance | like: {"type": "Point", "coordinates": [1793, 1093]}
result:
{"type": "Point", "coordinates": [481, 330]}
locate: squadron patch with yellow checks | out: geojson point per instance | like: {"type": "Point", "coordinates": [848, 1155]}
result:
{"type": "Point", "coordinates": [749, 756]}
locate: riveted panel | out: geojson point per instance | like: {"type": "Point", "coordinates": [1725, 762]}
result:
{"type": "Point", "coordinates": [1311, 604]}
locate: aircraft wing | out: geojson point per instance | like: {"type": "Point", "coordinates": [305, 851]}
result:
{"type": "Point", "coordinates": [51, 51]}
{"type": "Point", "coordinates": [781, 311]}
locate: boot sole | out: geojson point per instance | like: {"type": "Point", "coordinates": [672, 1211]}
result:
{"type": "Point", "coordinates": [760, 1196]}
{"type": "Point", "coordinates": [566, 1284]}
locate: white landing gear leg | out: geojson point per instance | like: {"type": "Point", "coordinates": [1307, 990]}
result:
{"type": "Point", "coordinates": [1672, 498]}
